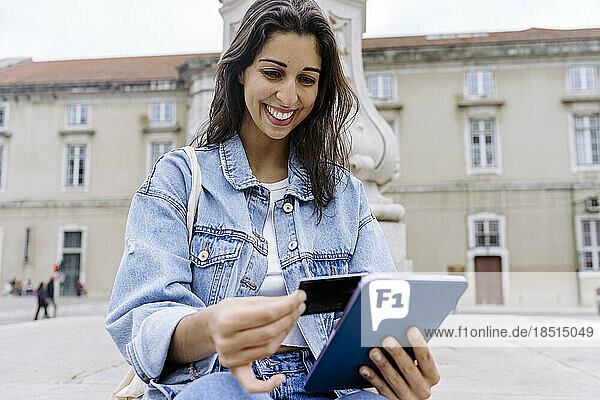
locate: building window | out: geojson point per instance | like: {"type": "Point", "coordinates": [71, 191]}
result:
{"type": "Point", "coordinates": [27, 246]}
{"type": "Point", "coordinates": [381, 86]}
{"type": "Point", "coordinates": [2, 164]}
{"type": "Point", "coordinates": [161, 112]}
{"type": "Point", "coordinates": [72, 239]}
{"type": "Point", "coordinates": [483, 143]}
{"type": "Point", "coordinates": [486, 233]}
{"type": "Point", "coordinates": [75, 174]}
{"type": "Point", "coordinates": [584, 77]}
{"type": "Point", "coordinates": [587, 140]}
{"type": "Point", "coordinates": [77, 115]}
{"type": "Point", "coordinates": [157, 149]}
{"type": "Point", "coordinates": [3, 115]}
{"type": "Point", "coordinates": [590, 245]}
{"type": "Point", "coordinates": [480, 83]}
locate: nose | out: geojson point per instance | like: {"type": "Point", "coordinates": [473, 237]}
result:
{"type": "Point", "coordinates": [287, 93]}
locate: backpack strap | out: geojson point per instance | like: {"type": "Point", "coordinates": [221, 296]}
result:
{"type": "Point", "coordinates": [131, 386]}
{"type": "Point", "coordinates": [195, 193]}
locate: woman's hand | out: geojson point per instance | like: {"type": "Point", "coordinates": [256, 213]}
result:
{"type": "Point", "coordinates": [244, 329]}
{"type": "Point", "coordinates": [415, 380]}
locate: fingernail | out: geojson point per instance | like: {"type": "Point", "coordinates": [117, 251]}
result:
{"type": "Point", "coordinates": [302, 295]}
{"type": "Point", "coordinates": [301, 308]}
{"type": "Point", "coordinates": [377, 355]}
{"type": "Point", "coordinates": [390, 342]}
{"type": "Point", "coordinates": [364, 372]}
{"type": "Point", "coordinates": [414, 333]}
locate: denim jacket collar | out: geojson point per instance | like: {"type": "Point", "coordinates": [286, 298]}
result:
{"type": "Point", "coordinates": [238, 173]}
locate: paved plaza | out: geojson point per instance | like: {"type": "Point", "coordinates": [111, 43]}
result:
{"type": "Point", "coordinates": [72, 357]}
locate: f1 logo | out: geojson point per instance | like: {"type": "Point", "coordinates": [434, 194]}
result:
{"type": "Point", "coordinates": [389, 299]}
{"type": "Point", "coordinates": [381, 298]}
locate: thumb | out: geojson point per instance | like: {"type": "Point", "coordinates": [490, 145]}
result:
{"type": "Point", "coordinates": [246, 378]}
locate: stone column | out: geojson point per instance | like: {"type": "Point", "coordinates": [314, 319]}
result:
{"type": "Point", "coordinates": [375, 155]}
{"type": "Point", "coordinates": [198, 73]}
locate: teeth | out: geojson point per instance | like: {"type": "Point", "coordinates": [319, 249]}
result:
{"type": "Point", "coordinates": [278, 115]}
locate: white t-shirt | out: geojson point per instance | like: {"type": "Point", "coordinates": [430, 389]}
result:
{"type": "Point", "coordinates": [274, 284]}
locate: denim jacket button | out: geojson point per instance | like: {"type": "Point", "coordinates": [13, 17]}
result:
{"type": "Point", "coordinates": [288, 207]}
{"type": "Point", "coordinates": [203, 256]}
{"type": "Point", "coordinates": [292, 245]}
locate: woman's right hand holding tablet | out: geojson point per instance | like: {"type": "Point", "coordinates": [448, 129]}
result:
{"type": "Point", "coordinates": [244, 329]}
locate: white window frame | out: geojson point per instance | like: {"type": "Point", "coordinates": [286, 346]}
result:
{"type": "Point", "coordinates": [580, 246]}
{"type": "Point", "coordinates": [4, 125]}
{"type": "Point", "coordinates": [583, 110]}
{"type": "Point", "coordinates": [153, 122]}
{"type": "Point", "coordinates": [583, 77]}
{"type": "Point", "coordinates": [500, 251]}
{"type": "Point", "coordinates": [480, 80]}
{"type": "Point", "coordinates": [380, 78]}
{"type": "Point", "coordinates": [481, 114]}
{"type": "Point", "coordinates": [482, 144]}
{"type": "Point", "coordinates": [83, 249]}
{"type": "Point", "coordinates": [587, 129]}
{"type": "Point", "coordinates": [76, 140]}
{"type": "Point", "coordinates": [486, 216]}
{"type": "Point", "coordinates": [158, 137]}
{"type": "Point", "coordinates": [78, 106]}
{"type": "Point", "coordinates": [3, 164]}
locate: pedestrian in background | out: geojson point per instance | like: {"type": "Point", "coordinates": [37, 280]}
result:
{"type": "Point", "coordinates": [13, 286]}
{"type": "Point", "coordinates": [42, 296]}
{"type": "Point", "coordinates": [28, 288]}
{"type": "Point", "coordinates": [19, 288]}
{"type": "Point", "coordinates": [51, 295]}
{"type": "Point", "coordinates": [79, 288]}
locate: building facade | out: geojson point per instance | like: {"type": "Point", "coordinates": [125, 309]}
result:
{"type": "Point", "coordinates": [499, 150]}
{"type": "Point", "coordinates": [498, 138]}
{"type": "Point", "coordinates": [76, 141]}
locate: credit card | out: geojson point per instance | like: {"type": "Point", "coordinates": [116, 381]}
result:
{"type": "Point", "coordinates": [329, 293]}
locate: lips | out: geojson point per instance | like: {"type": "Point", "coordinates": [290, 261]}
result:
{"type": "Point", "coordinates": [279, 117]}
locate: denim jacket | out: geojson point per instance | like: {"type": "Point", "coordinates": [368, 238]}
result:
{"type": "Point", "coordinates": [163, 278]}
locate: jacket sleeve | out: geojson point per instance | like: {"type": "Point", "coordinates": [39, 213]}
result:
{"type": "Point", "coordinates": [151, 293]}
{"type": "Point", "coordinates": [371, 252]}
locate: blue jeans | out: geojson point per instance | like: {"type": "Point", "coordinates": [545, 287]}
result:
{"type": "Point", "coordinates": [222, 385]}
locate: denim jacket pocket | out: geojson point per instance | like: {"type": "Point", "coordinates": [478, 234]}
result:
{"type": "Point", "coordinates": [213, 257]}
{"type": "Point", "coordinates": [324, 264]}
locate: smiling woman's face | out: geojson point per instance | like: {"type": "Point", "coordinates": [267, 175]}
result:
{"type": "Point", "coordinates": [281, 85]}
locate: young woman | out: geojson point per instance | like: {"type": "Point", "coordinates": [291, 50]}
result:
{"type": "Point", "coordinates": [221, 316]}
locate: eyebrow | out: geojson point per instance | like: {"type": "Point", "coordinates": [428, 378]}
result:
{"type": "Point", "coordinates": [284, 65]}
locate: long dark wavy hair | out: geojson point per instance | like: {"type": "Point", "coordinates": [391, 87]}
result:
{"type": "Point", "coordinates": [321, 141]}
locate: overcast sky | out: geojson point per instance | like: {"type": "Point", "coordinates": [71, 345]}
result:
{"type": "Point", "coordinates": [67, 29]}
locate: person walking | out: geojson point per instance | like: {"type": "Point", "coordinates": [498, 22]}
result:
{"type": "Point", "coordinates": [79, 290]}
{"type": "Point", "coordinates": [51, 295]}
{"type": "Point", "coordinates": [42, 296]}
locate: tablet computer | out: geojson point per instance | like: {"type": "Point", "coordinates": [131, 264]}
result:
{"type": "Point", "coordinates": [381, 306]}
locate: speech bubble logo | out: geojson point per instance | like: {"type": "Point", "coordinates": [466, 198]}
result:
{"type": "Point", "coordinates": [389, 300]}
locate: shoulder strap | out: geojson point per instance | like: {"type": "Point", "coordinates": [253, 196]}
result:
{"type": "Point", "coordinates": [195, 193]}
{"type": "Point", "coordinates": [131, 386]}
